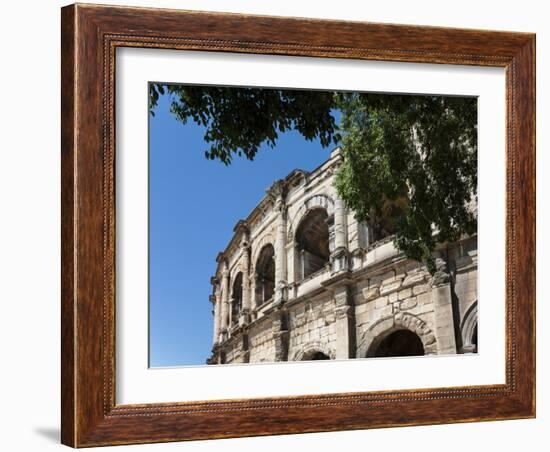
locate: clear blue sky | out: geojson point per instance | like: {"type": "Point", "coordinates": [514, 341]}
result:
{"type": "Point", "coordinates": [194, 203]}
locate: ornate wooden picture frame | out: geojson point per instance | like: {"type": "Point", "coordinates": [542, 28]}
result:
{"type": "Point", "coordinates": [90, 37]}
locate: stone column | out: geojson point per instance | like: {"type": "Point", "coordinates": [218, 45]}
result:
{"type": "Point", "coordinates": [345, 323]}
{"type": "Point", "coordinates": [230, 318]}
{"type": "Point", "coordinates": [224, 324]}
{"type": "Point", "coordinates": [245, 268]}
{"type": "Point", "coordinates": [443, 308]}
{"type": "Point", "coordinates": [340, 239]}
{"type": "Point", "coordinates": [216, 299]}
{"type": "Point", "coordinates": [280, 245]}
{"type": "Point", "coordinates": [339, 258]}
{"type": "Point", "coordinates": [291, 264]}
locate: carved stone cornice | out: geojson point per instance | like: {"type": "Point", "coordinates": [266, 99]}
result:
{"type": "Point", "coordinates": [344, 311]}
{"type": "Point", "coordinates": [440, 278]}
{"type": "Point", "coordinates": [242, 225]}
{"type": "Point", "coordinates": [245, 243]}
{"type": "Point", "coordinates": [277, 192]}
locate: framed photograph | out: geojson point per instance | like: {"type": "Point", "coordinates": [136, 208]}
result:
{"type": "Point", "coordinates": [282, 225]}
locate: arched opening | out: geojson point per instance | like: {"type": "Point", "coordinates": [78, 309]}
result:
{"type": "Point", "coordinates": [265, 275]}
{"type": "Point", "coordinates": [399, 343]}
{"type": "Point", "coordinates": [315, 356]}
{"type": "Point", "coordinates": [237, 298]}
{"type": "Point", "coordinates": [318, 356]}
{"type": "Point", "coordinates": [474, 340]}
{"type": "Point", "coordinates": [312, 243]}
{"type": "Point", "coordinates": [469, 330]}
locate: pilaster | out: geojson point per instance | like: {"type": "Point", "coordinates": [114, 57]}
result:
{"type": "Point", "coordinates": [345, 323]}
{"type": "Point", "coordinates": [340, 257]}
{"type": "Point", "coordinates": [245, 269]}
{"type": "Point", "coordinates": [277, 192]}
{"type": "Point", "coordinates": [225, 308]}
{"type": "Point", "coordinates": [280, 335]}
{"type": "Point", "coordinates": [215, 298]}
{"type": "Point", "coordinates": [443, 307]}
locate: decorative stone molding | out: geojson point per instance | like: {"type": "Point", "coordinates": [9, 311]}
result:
{"type": "Point", "coordinates": [277, 191]}
{"type": "Point", "coordinates": [242, 228]}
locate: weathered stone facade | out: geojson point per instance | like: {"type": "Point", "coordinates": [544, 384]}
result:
{"type": "Point", "coordinates": [301, 279]}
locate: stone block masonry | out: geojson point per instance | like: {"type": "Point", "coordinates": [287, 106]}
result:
{"type": "Point", "coordinates": [301, 279]}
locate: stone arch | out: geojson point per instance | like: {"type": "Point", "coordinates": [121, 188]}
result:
{"type": "Point", "coordinates": [235, 266]}
{"type": "Point", "coordinates": [236, 297]}
{"type": "Point", "coordinates": [311, 348]}
{"type": "Point", "coordinates": [318, 201]}
{"type": "Point", "coordinates": [257, 246]}
{"type": "Point", "coordinates": [401, 342]}
{"type": "Point", "coordinates": [312, 244]}
{"type": "Point", "coordinates": [264, 275]}
{"type": "Point", "coordinates": [468, 329]}
{"type": "Point", "coordinates": [387, 325]}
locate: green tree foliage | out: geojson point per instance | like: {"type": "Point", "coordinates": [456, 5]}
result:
{"type": "Point", "coordinates": [410, 167]}
{"type": "Point", "coordinates": [410, 161]}
{"type": "Point", "coordinates": [239, 120]}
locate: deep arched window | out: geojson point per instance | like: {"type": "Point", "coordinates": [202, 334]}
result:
{"type": "Point", "coordinates": [265, 275]}
{"type": "Point", "coordinates": [312, 243]}
{"type": "Point", "coordinates": [237, 298]}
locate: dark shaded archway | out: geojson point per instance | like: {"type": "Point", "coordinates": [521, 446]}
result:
{"type": "Point", "coordinates": [399, 343]}
{"type": "Point", "coordinates": [265, 275]}
{"type": "Point", "coordinates": [312, 243]}
{"type": "Point", "coordinates": [237, 298]}
{"type": "Point", "coordinates": [315, 356]}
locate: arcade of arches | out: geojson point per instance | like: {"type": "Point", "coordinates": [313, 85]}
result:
{"type": "Point", "coordinates": [301, 279]}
